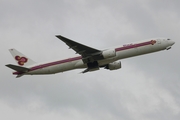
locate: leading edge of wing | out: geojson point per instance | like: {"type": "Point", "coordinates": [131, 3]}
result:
{"type": "Point", "coordinates": [78, 47]}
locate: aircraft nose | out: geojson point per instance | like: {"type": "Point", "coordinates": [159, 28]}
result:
{"type": "Point", "coordinates": [171, 42]}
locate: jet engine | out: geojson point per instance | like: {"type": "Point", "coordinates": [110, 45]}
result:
{"type": "Point", "coordinates": [113, 66]}
{"type": "Point", "coordinates": [109, 53]}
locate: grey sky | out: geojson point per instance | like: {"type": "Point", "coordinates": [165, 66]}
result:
{"type": "Point", "coordinates": [146, 88]}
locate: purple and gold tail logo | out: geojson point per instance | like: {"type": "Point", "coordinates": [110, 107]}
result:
{"type": "Point", "coordinates": [153, 42]}
{"type": "Point", "coordinates": [21, 60]}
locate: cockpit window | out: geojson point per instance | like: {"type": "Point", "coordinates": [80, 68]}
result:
{"type": "Point", "coordinates": [168, 39]}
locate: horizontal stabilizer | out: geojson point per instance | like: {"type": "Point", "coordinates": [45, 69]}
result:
{"type": "Point", "coordinates": [18, 68]}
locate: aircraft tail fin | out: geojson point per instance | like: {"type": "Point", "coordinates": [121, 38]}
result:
{"type": "Point", "coordinates": [21, 59]}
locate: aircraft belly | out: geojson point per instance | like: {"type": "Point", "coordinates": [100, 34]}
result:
{"type": "Point", "coordinates": [127, 53]}
{"type": "Point", "coordinates": [39, 72]}
{"type": "Point", "coordinates": [147, 49]}
{"type": "Point", "coordinates": [80, 64]}
{"type": "Point", "coordinates": [150, 49]}
{"type": "Point", "coordinates": [63, 67]}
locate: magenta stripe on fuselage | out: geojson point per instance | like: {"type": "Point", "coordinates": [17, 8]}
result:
{"type": "Point", "coordinates": [55, 63]}
{"type": "Point", "coordinates": [133, 46]}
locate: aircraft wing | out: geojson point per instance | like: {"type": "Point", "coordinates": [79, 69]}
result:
{"type": "Point", "coordinates": [88, 54]}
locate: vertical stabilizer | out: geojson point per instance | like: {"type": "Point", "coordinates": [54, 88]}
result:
{"type": "Point", "coordinates": [21, 59]}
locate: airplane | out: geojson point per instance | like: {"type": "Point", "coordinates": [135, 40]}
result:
{"type": "Point", "coordinates": [90, 59]}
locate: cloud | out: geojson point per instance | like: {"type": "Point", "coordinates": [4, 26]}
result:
{"type": "Point", "coordinates": [147, 87]}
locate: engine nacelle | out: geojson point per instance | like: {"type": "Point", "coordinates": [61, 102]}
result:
{"type": "Point", "coordinates": [109, 53]}
{"type": "Point", "coordinates": [113, 66]}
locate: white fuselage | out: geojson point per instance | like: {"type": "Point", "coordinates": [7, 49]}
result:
{"type": "Point", "coordinates": [123, 51]}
